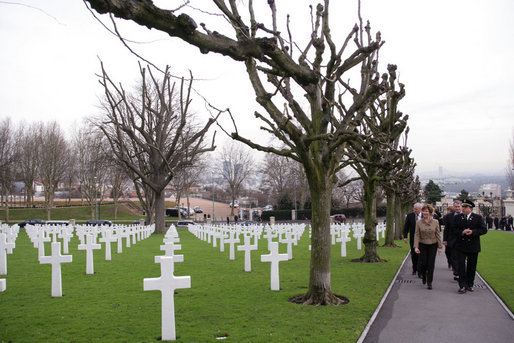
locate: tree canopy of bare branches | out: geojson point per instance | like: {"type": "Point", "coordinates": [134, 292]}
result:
{"type": "Point", "coordinates": [150, 132]}
{"type": "Point", "coordinates": [53, 159]}
{"type": "Point", "coordinates": [284, 76]}
{"type": "Point", "coordinates": [236, 165]}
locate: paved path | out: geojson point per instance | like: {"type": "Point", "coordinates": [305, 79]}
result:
{"type": "Point", "coordinates": [412, 313]}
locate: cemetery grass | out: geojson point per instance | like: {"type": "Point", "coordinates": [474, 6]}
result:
{"type": "Point", "coordinates": [223, 301]}
{"type": "Point", "coordinates": [496, 264]}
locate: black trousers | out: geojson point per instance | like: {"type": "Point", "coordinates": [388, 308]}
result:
{"type": "Point", "coordinates": [467, 266]}
{"type": "Point", "coordinates": [414, 258]}
{"type": "Point", "coordinates": [451, 256]}
{"type": "Point", "coordinates": [427, 260]}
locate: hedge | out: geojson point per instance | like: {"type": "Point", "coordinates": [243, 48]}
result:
{"type": "Point", "coordinates": [352, 212]}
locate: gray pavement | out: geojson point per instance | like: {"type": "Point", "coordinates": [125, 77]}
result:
{"type": "Point", "coordinates": [412, 313]}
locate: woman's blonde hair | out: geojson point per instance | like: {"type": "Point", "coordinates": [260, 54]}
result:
{"type": "Point", "coordinates": [428, 207]}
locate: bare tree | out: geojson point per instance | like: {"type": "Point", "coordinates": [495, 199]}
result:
{"type": "Point", "coordinates": [277, 173]}
{"type": "Point", "coordinates": [149, 133]}
{"type": "Point", "coordinates": [92, 164]}
{"type": "Point", "coordinates": [117, 179]}
{"type": "Point", "coordinates": [8, 157]}
{"type": "Point", "coordinates": [53, 157]}
{"type": "Point", "coordinates": [284, 76]}
{"type": "Point", "coordinates": [374, 154]}
{"type": "Point", "coordinates": [236, 166]}
{"type": "Point", "coordinates": [27, 163]}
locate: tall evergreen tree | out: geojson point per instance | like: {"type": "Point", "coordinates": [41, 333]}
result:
{"type": "Point", "coordinates": [433, 193]}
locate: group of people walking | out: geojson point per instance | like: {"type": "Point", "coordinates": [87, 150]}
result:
{"type": "Point", "coordinates": [461, 238]}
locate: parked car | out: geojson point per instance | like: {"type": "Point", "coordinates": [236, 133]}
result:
{"type": "Point", "coordinates": [188, 211]}
{"type": "Point", "coordinates": [236, 204]}
{"type": "Point", "coordinates": [31, 222]}
{"type": "Point", "coordinates": [173, 212]}
{"type": "Point", "coordinates": [339, 218]}
{"type": "Point", "coordinates": [57, 222]}
{"type": "Point", "coordinates": [198, 209]}
{"type": "Point", "coordinates": [267, 208]}
{"type": "Point", "coordinates": [183, 224]}
{"type": "Point", "coordinates": [95, 222]}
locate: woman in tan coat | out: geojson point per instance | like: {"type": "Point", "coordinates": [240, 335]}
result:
{"type": "Point", "coordinates": [427, 240]}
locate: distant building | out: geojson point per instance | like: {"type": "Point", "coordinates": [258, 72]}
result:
{"type": "Point", "coordinates": [490, 190]}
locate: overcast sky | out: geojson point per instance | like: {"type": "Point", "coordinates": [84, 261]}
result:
{"type": "Point", "coordinates": [455, 58]}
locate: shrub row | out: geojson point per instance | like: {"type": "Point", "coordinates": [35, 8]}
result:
{"type": "Point", "coordinates": [353, 212]}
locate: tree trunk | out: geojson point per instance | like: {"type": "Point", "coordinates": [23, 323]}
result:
{"type": "Point", "coordinates": [6, 212]}
{"type": "Point", "coordinates": [398, 222]}
{"type": "Point", "coordinates": [92, 208]}
{"type": "Point", "coordinates": [159, 212]}
{"type": "Point", "coordinates": [320, 292]}
{"type": "Point", "coordinates": [48, 204]}
{"type": "Point", "coordinates": [390, 222]}
{"type": "Point", "coordinates": [370, 223]}
{"type": "Point", "coordinates": [115, 201]}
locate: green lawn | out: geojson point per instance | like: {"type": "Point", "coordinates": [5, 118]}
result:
{"type": "Point", "coordinates": [111, 305]}
{"type": "Point", "coordinates": [496, 263]}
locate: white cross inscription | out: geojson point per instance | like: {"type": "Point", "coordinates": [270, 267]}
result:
{"type": "Point", "coordinates": [55, 260]}
{"type": "Point", "coordinates": [4, 247]}
{"type": "Point", "coordinates": [89, 247]}
{"type": "Point", "coordinates": [274, 257]}
{"type": "Point", "coordinates": [167, 283]}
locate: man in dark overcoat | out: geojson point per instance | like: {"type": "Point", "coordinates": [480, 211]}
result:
{"type": "Point", "coordinates": [449, 237]}
{"type": "Point", "coordinates": [408, 230]}
{"type": "Point", "coordinates": [469, 227]}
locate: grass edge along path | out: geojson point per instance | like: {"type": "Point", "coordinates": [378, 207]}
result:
{"type": "Point", "coordinates": [496, 264]}
{"type": "Point", "coordinates": [223, 301]}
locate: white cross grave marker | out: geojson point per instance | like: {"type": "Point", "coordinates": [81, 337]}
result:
{"type": "Point", "coordinates": [4, 247]}
{"type": "Point", "coordinates": [66, 234]}
{"type": "Point", "coordinates": [107, 238]}
{"type": "Point", "coordinates": [169, 250]}
{"type": "Point", "coordinates": [39, 241]}
{"type": "Point", "coordinates": [247, 247]}
{"type": "Point", "coordinates": [274, 257]}
{"type": "Point", "coordinates": [55, 260]}
{"type": "Point", "coordinates": [343, 238]}
{"type": "Point", "coordinates": [89, 247]}
{"type": "Point", "coordinates": [233, 238]}
{"type": "Point", "coordinates": [167, 283]}
{"type": "Point", "coordinates": [3, 285]}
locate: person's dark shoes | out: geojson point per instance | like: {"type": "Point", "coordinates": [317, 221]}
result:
{"type": "Point", "coordinates": [419, 275]}
{"type": "Point", "coordinates": [461, 290]}
{"type": "Point", "coordinates": [456, 278]}
{"type": "Point", "coordinates": [424, 280]}
{"type": "Point", "coordinates": [429, 286]}
{"type": "Point", "coordinates": [469, 289]}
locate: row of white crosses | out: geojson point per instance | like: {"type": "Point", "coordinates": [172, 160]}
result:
{"type": "Point", "coordinates": [88, 236]}
{"type": "Point", "coordinates": [288, 234]}
{"type": "Point", "coordinates": [8, 237]}
{"type": "Point", "coordinates": [167, 283]}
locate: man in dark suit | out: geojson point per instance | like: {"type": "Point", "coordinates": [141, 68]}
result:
{"type": "Point", "coordinates": [469, 227]}
{"type": "Point", "coordinates": [449, 237]}
{"type": "Point", "coordinates": [408, 230]}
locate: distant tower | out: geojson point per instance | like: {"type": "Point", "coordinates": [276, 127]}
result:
{"type": "Point", "coordinates": [440, 171]}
